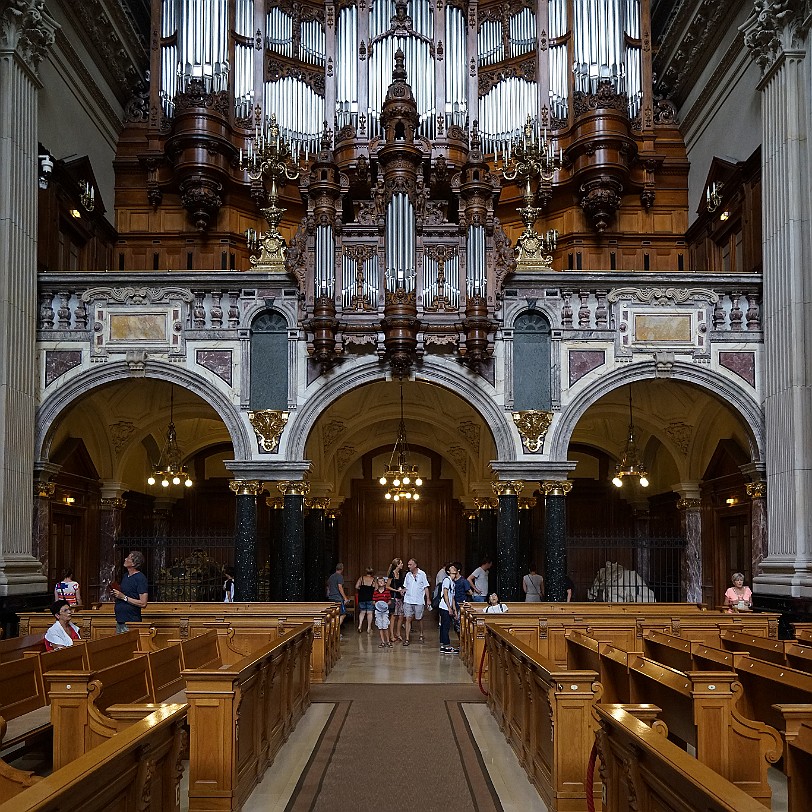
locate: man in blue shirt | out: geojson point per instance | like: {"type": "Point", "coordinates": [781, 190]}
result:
{"type": "Point", "coordinates": [132, 596]}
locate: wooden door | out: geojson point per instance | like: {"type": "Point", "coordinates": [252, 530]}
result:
{"type": "Point", "coordinates": [65, 547]}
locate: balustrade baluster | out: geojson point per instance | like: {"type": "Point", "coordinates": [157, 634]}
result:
{"type": "Point", "coordinates": [718, 315]}
{"type": "Point", "coordinates": [63, 314]}
{"type": "Point", "coordinates": [216, 309]}
{"type": "Point", "coordinates": [233, 309]}
{"type": "Point", "coordinates": [753, 314]}
{"type": "Point", "coordinates": [198, 311]}
{"type": "Point", "coordinates": [736, 314]}
{"type": "Point", "coordinates": [46, 310]}
{"type": "Point", "coordinates": [566, 310]}
{"type": "Point", "coordinates": [602, 311]}
{"type": "Point", "coordinates": [583, 310]}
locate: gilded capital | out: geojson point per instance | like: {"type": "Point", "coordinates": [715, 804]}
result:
{"type": "Point", "coordinates": [532, 426]}
{"type": "Point", "coordinates": [510, 487]}
{"type": "Point", "coordinates": [486, 502]}
{"type": "Point", "coordinates": [115, 503]}
{"type": "Point", "coordinates": [44, 490]}
{"type": "Point", "coordinates": [527, 502]}
{"type": "Point", "coordinates": [298, 488]}
{"type": "Point", "coordinates": [689, 504]}
{"type": "Point", "coordinates": [556, 487]}
{"type": "Point", "coordinates": [318, 502]}
{"type": "Point", "coordinates": [246, 487]}
{"type": "Point", "coordinates": [268, 425]}
{"type": "Point", "coordinates": [275, 502]}
{"type": "Point", "coordinates": [756, 490]}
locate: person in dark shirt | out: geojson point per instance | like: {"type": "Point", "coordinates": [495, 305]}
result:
{"type": "Point", "coordinates": [132, 595]}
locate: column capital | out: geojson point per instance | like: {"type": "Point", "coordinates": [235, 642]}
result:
{"type": "Point", "coordinates": [775, 28]}
{"type": "Point", "coordinates": [689, 504]}
{"type": "Point", "coordinates": [275, 502]}
{"type": "Point", "coordinates": [510, 487]}
{"type": "Point", "coordinates": [297, 488]}
{"type": "Point", "coordinates": [556, 487]}
{"type": "Point", "coordinates": [28, 29]}
{"type": "Point", "coordinates": [527, 502]}
{"type": "Point", "coordinates": [756, 490]}
{"type": "Point", "coordinates": [318, 502]}
{"type": "Point", "coordinates": [246, 487]}
{"type": "Point", "coordinates": [486, 502]}
{"type": "Point", "coordinates": [112, 503]}
{"type": "Point", "coordinates": [43, 489]}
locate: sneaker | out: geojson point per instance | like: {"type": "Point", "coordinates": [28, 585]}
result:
{"type": "Point", "coordinates": [453, 651]}
{"type": "Point", "coordinates": [446, 650]}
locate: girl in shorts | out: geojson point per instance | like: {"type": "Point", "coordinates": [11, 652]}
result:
{"type": "Point", "coordinates": [380, 598]}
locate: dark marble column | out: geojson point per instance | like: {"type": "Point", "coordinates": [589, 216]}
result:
{"type": "Point", "coordinates": [41, 524]}
{"type": "Point", "coordinates": [292, 572]}
{"type": "Point", "coordinates": [275, 531]}
{"type": "Point", "coordinates": [757, 491]}
{"type": "Point", "coordinates": [555, 537]}
{"type": "Point", "coordinates": [245, 538]}
{"type": "Point", "coordinates": [526, 505]}
{"type": "Point", "coordinates": [471, 534]}
{"type": "Point", "coordinates": [508, 576]}
{"type": "Point", "coordinates": [691, 518]}
{"type": "Point", "coordinates": [111, 509]}
{"type": "Point", "coordinates": [315, 548]}
{"type": "Point", "coordinates": [331, 543]}
{"type": "Point", "coordinates": [486, 532]}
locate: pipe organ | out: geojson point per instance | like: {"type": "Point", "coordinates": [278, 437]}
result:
{"type": "Point", "coordinates": [409, 205]}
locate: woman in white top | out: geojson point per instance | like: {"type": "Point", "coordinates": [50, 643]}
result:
{"type": "Point", "coordinates": [495, 606]}
{"type": "Point", "coordinates": [63, 632]}
{"type": "Point", "coordinates": [533, 586]}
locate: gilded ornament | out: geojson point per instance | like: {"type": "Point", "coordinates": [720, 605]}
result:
{"type": "Point", "coordinates": [532, 425]}
{"type": "Point", "coordinates": [246, 487]}
{"type": "Point", "coordinates": [508, 487]}
{"type": "Point", "coordinates": [756, 490]}
{"type": "Point", "coordinates": [556, 487]}
{"type": "Point", "coordinates": [268, 425]}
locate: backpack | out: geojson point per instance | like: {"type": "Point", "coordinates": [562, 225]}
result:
{"type": "Point", "coordinates": [435, 599]}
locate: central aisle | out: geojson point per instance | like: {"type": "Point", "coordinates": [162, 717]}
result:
{"type": "Point", "coordinates": [395, 728]}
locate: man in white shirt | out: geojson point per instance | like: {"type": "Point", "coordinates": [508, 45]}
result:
{"type": "Point", "coordinates": [479, 581]}
{"type": "Point", "coordinates": [416, 598]}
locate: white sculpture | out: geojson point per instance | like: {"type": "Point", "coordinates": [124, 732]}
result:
{"type": "Point", "coordinates": [615, 584]}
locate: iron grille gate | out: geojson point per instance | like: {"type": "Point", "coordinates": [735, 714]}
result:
{"type": "Point", "coordinates": [186, 568]}
{"type": "Point", "coordinates": [635, 569]}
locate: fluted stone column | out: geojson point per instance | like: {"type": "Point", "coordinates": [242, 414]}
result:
{"type": "Point", "coordinates": [690, 507]}
{"type": "Point", "coordinates": [26, 33]}
{"type": "Point", "coordinates": [777, 37]}
{"type": "Point", "coordinates": [757, 491]}
{"type": "Point", "coordinates": [555, 537]}
{"type": "Point", "coordinates": [315, 548]}
{"type": "Point", "coordinates": [245, 538]}
{"type": "Point", "coordinates": [508, 575]}
{"type": "Point", "coordinates": [292, 572]}
{"type": "Point", "coordinates": [111, 512]}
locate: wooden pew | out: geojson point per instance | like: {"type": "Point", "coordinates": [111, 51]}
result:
{"type": "Point", "coordinates": [249, 709]}
{"type": "Point", "coordinates": [698, 707]}
{"type": "Point", "coordinates": [798, 766]}
{"type": "Point", "coordinates": [759, 647]}
{"type": "Point", "coordinates": [546, 716]}
{"type": "Point", "coordinates": [14, 648]}
{"type": "Point", "coordinates": [798, 656]}
{"type": "Point", "coordinates": [803, 632]}
{"type": "Point", "coordinates": [140, 768]}
{"type": "Point", "coordinates": [641, 765]}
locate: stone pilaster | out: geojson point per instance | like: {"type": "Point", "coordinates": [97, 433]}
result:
{"type": "Point", "coordinates": [776, 35]}
{"type": "Point", "coordinates": [292, 572]}
{"type": "Point", "coordinates": [111, 510]}
{"type": "Point", "coordinates": [44, 489]}
{"type": "Point", "coordinates": [690, 507]}
{"type": "Point", "coordinates": [26, 34]}
{"type": "Point", "coordinates": [757, 491]}
{"type": "Point", "coordinates": [555, 537]}
{"type": "Point", "coordinates": [508, 574]}
{"type": "Point", "coordinates": [245, 538]}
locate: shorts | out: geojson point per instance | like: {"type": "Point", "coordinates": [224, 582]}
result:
{"type": "Point", "coordinates": [382, 620]}
{"type": "Point", "coordinates": [366, 606]}
{"type": "Point", "coordinates": [414, 610]}
{"type": "Point", "coordinates": [398, 609]}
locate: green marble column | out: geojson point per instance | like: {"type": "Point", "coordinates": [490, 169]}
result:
{"type": "Point", "coordinates": [292, 559]}
{"type": "Point", "coordinates": [315, 548]}
{"type": "Point", "coordinates": [508, 575]}
{"type": "Point", "coordinates": [245, 538]}
{"type": "Point", "coordinates": [555, 537]}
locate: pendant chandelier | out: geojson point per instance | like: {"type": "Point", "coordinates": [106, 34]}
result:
{"type": "Point", "coordinates": [170, 469]}
{"type": "Point", "coordinates": [630, 463]}
{"type": "Point", "coordinates": [401, 478]}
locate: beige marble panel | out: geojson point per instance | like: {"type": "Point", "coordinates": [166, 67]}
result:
{"type": "Point", "coordinates": [129, 327]}
{"type": "Point", "coordinates": [667, 328]}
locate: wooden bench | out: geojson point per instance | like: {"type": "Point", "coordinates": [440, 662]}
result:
{"type": "Point", "coordinates": [699, 708]}
{"type": "Point", "coordinates": [249, 709]}
{"type": "Point", "coordinates": [140, 768]}
{"type": "Point", "coordinates": [798, 767]}
{"type": "Point", "coordinates": [641, 764]}
{"type": "Point", "coordinates": [14, 648]}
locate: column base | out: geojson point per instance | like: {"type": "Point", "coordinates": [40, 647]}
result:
{"type": "Point", "coordinates": [784, 576]}
{"type": "Point", "coordinates": [21, 575]}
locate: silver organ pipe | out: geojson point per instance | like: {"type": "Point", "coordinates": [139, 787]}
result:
{"type": "Point", "coordinates": [558, 60]}
{"type": "Point", "coordinates": [169, 56]}
{"type": "Point", "coordinates": [325, 252]}
{"type": "Point", "coordinates": [634, 82]}
{"type": "Point", "coordinates": [346, 63]}
{"type": "Point", "coordinates": [600, 44]}
{"type": "Point", "coordinates": [360, 286]}
{"type": "Point", "coordinates": [280, 32]}
{"type": "Point", "coordinates": [400, 243]}
{"type": "Point", "coordinates": [380, 16]}
{"type": "Point", "coordinates": [475, 261]}
{"type": "Point", "coordinates": [312, 48]}
{"type": "Point", "coordinates": [447, 289]}
{"type": "Point", "coordinates": [203, 43]}
{"type": "Point", "coordinates": [504, 110]}
{"type": "Point", "coordinates": [522, 27]}
{"type": "Point", "coordinates": [456, 61]}
{"type": "Point", "coordinates": [244, 59]}
{"type": "Point", "coordinates": [299, 112]}
{"type": "Point", "coordinates": [489, 42]}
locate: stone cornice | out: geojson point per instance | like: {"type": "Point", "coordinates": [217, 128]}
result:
{"type": "Point", "coordinates": [112, 39]}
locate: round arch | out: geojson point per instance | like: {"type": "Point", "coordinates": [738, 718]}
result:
{"type": "Point", "coordinates": [504, 436]}
{"type": "Point", "coordinates": [739, 401]}
{"type": "Point", "coordinates": [55, 405]}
